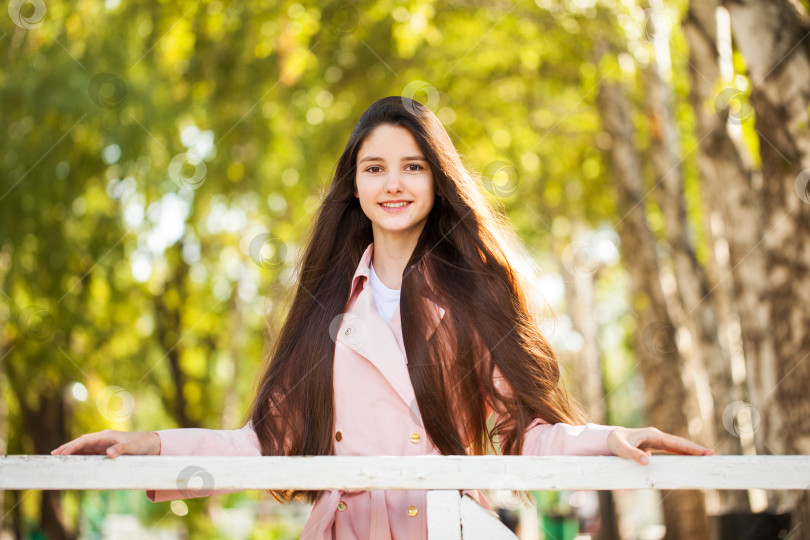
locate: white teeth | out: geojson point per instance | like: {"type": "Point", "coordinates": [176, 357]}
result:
{"type": "Point", "coordinates": [395, 205]}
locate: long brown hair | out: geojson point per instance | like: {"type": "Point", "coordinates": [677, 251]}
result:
{"type": "Point", "coordinates": [461, 262]}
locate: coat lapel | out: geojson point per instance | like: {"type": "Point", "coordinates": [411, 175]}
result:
{"type": "Point", "coordinates": [364, 331]}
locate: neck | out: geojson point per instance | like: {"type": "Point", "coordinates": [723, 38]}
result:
{"type": "Point", "coordinates": [390, 255]}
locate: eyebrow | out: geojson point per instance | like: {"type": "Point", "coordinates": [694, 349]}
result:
{"type": "Point", "coordinates": [407, 158]}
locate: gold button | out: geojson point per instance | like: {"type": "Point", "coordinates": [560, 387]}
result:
{"type": "Point", "coordinates": [412, 510]}
{"type": "Point", "coordinates": [348, 331]}
{"type": "Point", "coordinates": [415, 437]}
{"type": "Point", "coordinates": [338, 436]}
{"type": "Point", "coordinates": [342, 506]}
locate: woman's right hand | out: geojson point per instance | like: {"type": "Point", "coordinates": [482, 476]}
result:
{"type": "Point", "coordinates": [113, 443]}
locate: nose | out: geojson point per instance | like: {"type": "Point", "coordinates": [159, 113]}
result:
{"type": "Point", "coordinates": [393, 183]}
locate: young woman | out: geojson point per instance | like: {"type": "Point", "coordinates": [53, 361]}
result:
{"type": "Point", "coordinates": [409, 327]}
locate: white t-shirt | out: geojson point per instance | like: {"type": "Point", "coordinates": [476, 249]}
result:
{"type": "Point", "coordinates": [385, 298]}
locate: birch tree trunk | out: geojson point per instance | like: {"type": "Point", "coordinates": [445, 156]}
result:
{"type": "Point", "coordinates": [728, 190]}
{"type": "Point", "coordinates": [708, 362]}
{"type": "Point", "coordinates": [656, 345]}
{"type": "Point", "coordinates": [773, 36]}
{"type": "Point", "coordinates": [735, 216]}
{"type": "Point", "coordinates": [580, 299]}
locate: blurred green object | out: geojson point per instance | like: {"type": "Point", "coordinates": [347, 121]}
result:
{"type": "Point", "coordinates": [559, 528]}
{"type": "Point", "coordinates": [557, 518]}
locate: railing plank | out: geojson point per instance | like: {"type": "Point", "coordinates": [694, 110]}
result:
{"type": "Point", "coordinates": [422, 472]}
{"type": "Point", "coordinates": [443, 516]}
{"type": "Point", "coordinates": [478, 523]}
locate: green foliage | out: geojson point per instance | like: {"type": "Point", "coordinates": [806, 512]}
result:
{"type": "Point", "coordinates": [136, 290]}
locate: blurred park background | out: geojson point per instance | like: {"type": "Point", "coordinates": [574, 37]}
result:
{"type": "Point", "coordinates": [160, 163]}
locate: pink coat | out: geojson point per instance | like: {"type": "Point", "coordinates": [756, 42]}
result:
{"type": "Point", "coordinates": [375, 415]}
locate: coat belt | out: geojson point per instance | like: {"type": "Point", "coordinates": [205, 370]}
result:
{"type": "Point", "coordinates": [379, 527]}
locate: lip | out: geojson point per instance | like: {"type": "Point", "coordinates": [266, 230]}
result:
{"type": "Point", "coordinates": [395, 210]}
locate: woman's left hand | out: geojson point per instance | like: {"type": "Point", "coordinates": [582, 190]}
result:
{"type": "Point", "coordinates": [638, 443]}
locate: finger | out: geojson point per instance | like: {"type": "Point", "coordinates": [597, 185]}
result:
{"type": "Point", "coordinates": [60, 449]}
{"type": "Point", "coordinates": [64, 446]}
{"type": "Point", "coordinates": [128, 446]}
{"type": "Point", "coordinates": [83, 445]}
{"type": "Point", "coordinates": [631, 452]}
{"type": "Point", "coordinates": [672, 443]}
{"type": "Point", "coordinates": [69, 447]}
{"type": "Point", "coordinates": [640, 456]}
{"type": "Point", "coordinates": [89, 443]}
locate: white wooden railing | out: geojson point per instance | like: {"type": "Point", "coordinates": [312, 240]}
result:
{"type": "Point", "coordinates": [442, 476]}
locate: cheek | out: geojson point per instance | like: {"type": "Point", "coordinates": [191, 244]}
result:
{"type": "Point", "coordinates": [430, 187]}
{"type": "Point", "coordinates": [364, 196]}
{"type": "Point", "coordinates": [359, 189]}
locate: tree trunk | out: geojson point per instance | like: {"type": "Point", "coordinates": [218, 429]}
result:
{"type": "Point", "coordinates": [4, 431]}
{"type": "Point", "coordinates": [16, 513]}
{"type": "Point", "coordinates": [708, 362]}
{"type": "Point", "coordinates": [656, 345]}
{"type": "Point", "coordinates": [231, 410]}
{"type": "Point", "coordinates": [581, 306]}
{"type": "Point", "coordinates": [44, 422]}
{"type": "Point", "coordinates": [728, 188]}
{"type": "Point", "coordinates": [169, 332]}
{"type": "Point", "coordinates": [580, 299]}
{"type": "Point", "coordinates": [773, 37]}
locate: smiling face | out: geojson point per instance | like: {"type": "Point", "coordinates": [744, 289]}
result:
{"type": "Point", "coordinates": [394, 183]}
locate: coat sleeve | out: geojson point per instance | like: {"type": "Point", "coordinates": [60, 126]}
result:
{"type": "Point", "coordinates": [544, 439]}
{"type": "Point", "coordinates": [204, 442]}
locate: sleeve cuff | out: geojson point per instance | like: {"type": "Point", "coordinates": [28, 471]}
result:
{"type": "Point", "coordinates": [543, 439]}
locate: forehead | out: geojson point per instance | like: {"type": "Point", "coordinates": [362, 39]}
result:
{"type": "Point", "coordinates": [387, 140]}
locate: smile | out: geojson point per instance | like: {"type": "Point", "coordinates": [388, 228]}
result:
{"type": "Point", "coordinates": [395, 205]}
